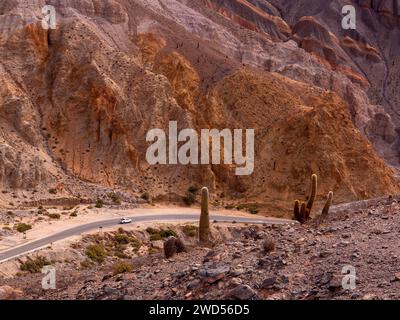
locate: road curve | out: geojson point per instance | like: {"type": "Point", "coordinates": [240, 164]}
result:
{"type": "Point", "coordinates": [37, 244]}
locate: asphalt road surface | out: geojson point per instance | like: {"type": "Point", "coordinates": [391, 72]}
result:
{"type": "Point", "coordinates": [40, 243]}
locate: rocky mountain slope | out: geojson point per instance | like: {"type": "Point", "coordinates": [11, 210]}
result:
{"type": "Point", "coordinates": [76, 102]}
{"type": "Point", "coordinates": [301, 262]}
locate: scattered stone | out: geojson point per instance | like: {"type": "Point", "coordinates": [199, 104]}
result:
{"type": "Point", "coordinates": [242, 292]}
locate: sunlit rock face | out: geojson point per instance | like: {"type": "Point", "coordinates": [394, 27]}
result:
{"type": "Point", "coordinates": [77, 102]}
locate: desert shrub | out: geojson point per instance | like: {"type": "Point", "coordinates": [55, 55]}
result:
{"type": "Point", "coordinates": [230, 206]}
{"type": "Point", "coordinates": [159, 234]}
{"type": "Point", "coordinates": [54, 215]}
{"type": "Point", "coordinates": [145, 196]}
{"type": "Point", "coordinates": [167, 233]}
{"type": "Point", "coordinates": [268, 245]}
{"type": "Point", "coordinates": [86, 264]}
{"type": "Point", "coordinates": [122, 267]}
{"type": "Point", "coordinates": [34, 265]}
{"type": "Point", "coordinates": [193, 189]}
{"type": "Point", "coordinates": [121, 255]}
{"type": "Point", "coordinates": [152, 230]}
{"type": "Point", "coordinates": [73, 214]}
{"type": "Point", "coordinates": [96, 253]}
{"type": "Point", "coordinates": [190, 230]}
{"type": "Point", "coordinates": [22, 227]}
{"type": "Point", "coordinates": [136, 244]}
{"type": "Point", "coordinates": [53, 191]}
{"type": "Point", "coordinates": [155, 237]}
{"type": "Point", "coordinates": [189, 199]}
{"type": "Point", "coordinates": [122, 238]}
{"type": "Point", "coordinates": [253, 210]}
{"type": "Point", "coordinates": [114, 197]}
{"type": "Point", "coordinates": [99, 203]}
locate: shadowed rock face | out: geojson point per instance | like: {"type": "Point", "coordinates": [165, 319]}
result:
{"type": "Point", "coordinates": [76, 102]}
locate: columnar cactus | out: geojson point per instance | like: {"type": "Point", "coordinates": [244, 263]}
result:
{"type": "Point", "coordinates": [204, 226]}
{"type": "Point", "coordinates": [302, 210]}
{"type": "Point", "coordinates": [313, 193]}
{"type": "Point", "coordinates": [328, 203]}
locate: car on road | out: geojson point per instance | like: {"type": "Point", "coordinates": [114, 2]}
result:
{"type": "Point", "coordinates": [125, 221]}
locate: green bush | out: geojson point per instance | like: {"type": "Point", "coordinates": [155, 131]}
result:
{"type": "Point", "coordinates": [152, 230]}
{"type": "Point", "coordinates": [99, 203]}
{"type": "Point", "coordinates": [122, 267]}
{"type": "Point", "coordinates": [167, 233]}
{"type": "Point", "coordinates": [189, 230]}
{"type": "Point", "coordinates": [122, 238]}
{"type": "Point", "coordinates": [159, 234]}
{"type": "Point", "coordinates": [22, 227]}
{"type": "Point", "coordinates": [155, 237]}
{"type": "Point", "coordinates": [34, 265]}
{"type": "Point", "coordinates": [96, 253]}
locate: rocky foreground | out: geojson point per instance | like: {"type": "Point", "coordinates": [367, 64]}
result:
{"type": "Point", "coordinates": [254, 262]}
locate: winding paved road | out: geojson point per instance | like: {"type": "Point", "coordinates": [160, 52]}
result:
{"type": "Point", "coordinates": [37, 244]}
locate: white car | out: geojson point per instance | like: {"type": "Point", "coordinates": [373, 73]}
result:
{"type": "Point", "coordinates": [125, 221]}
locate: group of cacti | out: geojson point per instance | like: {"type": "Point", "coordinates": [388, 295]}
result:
{"type": "Point", "coordinates": [302, 210]}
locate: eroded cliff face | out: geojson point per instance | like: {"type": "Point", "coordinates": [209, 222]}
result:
{"type": "Point", "coordinates": [77, 102]}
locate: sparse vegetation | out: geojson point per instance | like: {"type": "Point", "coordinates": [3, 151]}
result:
{"type": "Point", "coordinates": [96, 253]}
{"type": "Point", "coordinates": [190, 230]}
{"type": "Point", "coordinates": [122, 267]}
{"type": "Point", "coordinates": [189, 199]}
{"type": "Point", "coordinates": [53, 191]}
{"type": "Point", "coordinates": [73, 214]}
{"type": "Point", "coordinates": [159, 234]}
{"type": "Point", "coordinates": [23, 227]}
{"type": "Point", "coordinates": [145, 196]}
{"type": "Point", "coordinates": [34, 265]}
{"type": "Point", "coordinates": [99, 203]}
{"type": "Point", "coordinates": [230, 206]}
{"type": "Point", "coordinates": [54, 216]}
{"type": "Point", "coordinates": [115, 198]}
{"type": "Point", "coordinates": [253, 210]}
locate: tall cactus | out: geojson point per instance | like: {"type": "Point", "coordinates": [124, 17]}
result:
{"type": "Point", "coordinates": [328, 203]}
{"type": "Point", "coordinates": [313, 193]}
{"type": "Point", "coordinates": [204, 226]}
{"type": "Point", "coordinates": [302, 211]}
